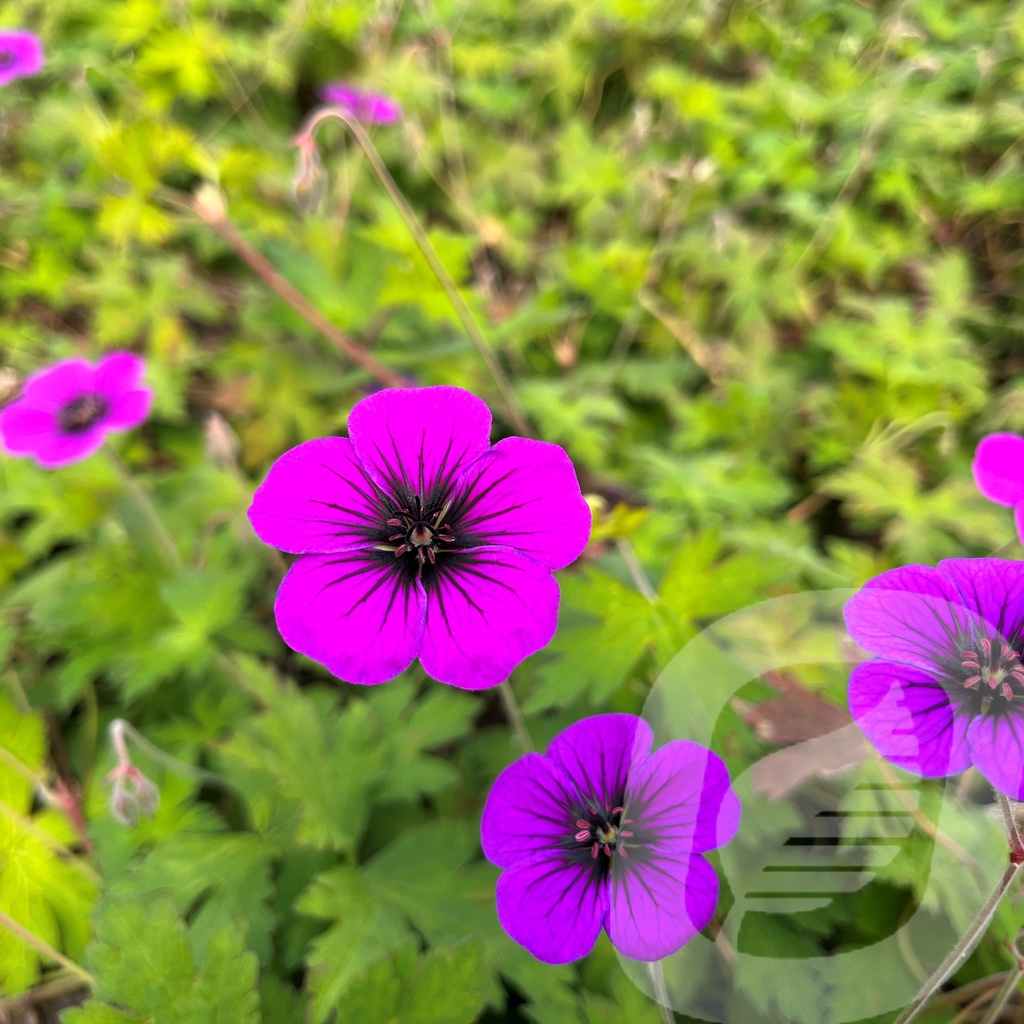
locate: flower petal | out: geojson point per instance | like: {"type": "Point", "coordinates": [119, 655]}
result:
{"type": "Point", "coordinates": [118, 373]}
{"type": "Point", "coordinates": [529, 808]}
{"type": "Point", "coordinates": [998, 468]}
{"type": "Point", "coordinates": [128, 410]}
{"type": "Point", "coordinates": [992, 587]}
{"type": "Point", "coordinates": [317, 498]}
{"type": "Point", "coordinates": [658, 902]}
{"type": "Point", "coordinates": [598, 752]}
{"type": "Point", "coordinates": [997, 750]}
{"type": "Point", "coordinates": [59, 384]}
{"type": "Point", "coordinates": [415, 441]}
{"type": "Point", "coordinates": [681, 798]}
{"type": "Point", "coordinates": [523, 494]}
{"type": "Point", "coordinates": [52, 451]}
{"type": "Point", "coordinates": [913, 614]}
{"type": "Point", "coordinates": [487, 610]}
{"type": "Point", "coordinates": [376, 108]}
{"type": "Point", "coordinates": [24, 427]}
{"type": "Point", "coordinates": [24, 52]}
{"type": "Point", "coordinates": [353, 612]}
{"type": "Point", "coordinates": [552, 905]}
{"type": "Point", "coordinates": [909, 718]}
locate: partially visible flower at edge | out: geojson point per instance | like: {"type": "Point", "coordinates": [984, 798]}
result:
{"type": "Point", "coordinates": [998, 469]}
{"type": "Point", "coordinates": [945, 689]}
{"type": "Point", "coordinates": [599, 832]}
{"type": "Point", "coordinates": [65, 411]}
{"type": "Point", "coordinates": [21, 55]}
{"type": "Point", "coordinates": [420, 540]}
{"type": "Point", "coordinates": [364, 105]}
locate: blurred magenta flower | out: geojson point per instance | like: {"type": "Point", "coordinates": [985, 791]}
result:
{"type": "Point", "coordinates": [599, 832]}
{"type": "Point", "coordinates": [998, 469]}
{"type": "Point", "coordinates": [946, 688]}
{"type": "Point", "coordinates": [21, 55]}
{"type": "Point", "coordinates": [366, 106]}
{"type": "Point", "coordinates": [419, 540]}
{"type": "Point", "coordinates": [65, 412]}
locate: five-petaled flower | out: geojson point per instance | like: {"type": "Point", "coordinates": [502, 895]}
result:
{"type": "Point", "coordinates": [65, 412]}
{"type": "Point", "coordinates": [21, 55]}
{"type": "Point", "coordinates": [368, 107]}
{"type": "Point", "coordinates": [945, 689]}
{"type": "Point", "coordinates": [999, 473]}
{"type": "Point", "coordinates": [419, 540]}
{"type": "Point", "coordinates": [600, 832]}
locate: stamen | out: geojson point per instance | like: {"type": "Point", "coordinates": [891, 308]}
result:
{"type": "Point", "coordinates": [1007, 692]}
{"type": "Point", "coordinates": [626, 835]}
{"type": "Point", "coordinates": [607, 850]}
{"type": "Point", "coordinates": [582, 835]}
{"type": "Point", "coordinates": [622, 851]}
{"type": "Point", "coordinates": [616, 810]}
{"type": "Point", "coordinates": [401, 550]}
{"type": "Point", "coordinates": [1008, 653]}
{"type": "Point", "coordinates": [593, 850]}
{"type": "Point", "coordinates": [430, 555]}
{"type": "Point", "coordinates": [972, 682]}
{"type": "Point", "coordinates": [580, 823]}
{"type": "Point", "coordinates": [986, 647]}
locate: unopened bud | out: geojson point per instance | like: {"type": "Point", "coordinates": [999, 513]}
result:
{"type": "Point", "coordinates": [147, 796]}
{"type": "Point", "coordinates": [309, 186]}
{"type": "Point", "coordinates": [124, 807]}
{"type": "Point", "coordinates": [208, 202]}
{"type": "Point", "coordinates": [221, 442]}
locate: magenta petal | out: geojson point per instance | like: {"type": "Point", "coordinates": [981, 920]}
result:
{"type": "Point", "coordinates": [527, 809]}
{"type": "Point", "coordinates": [997, 750]}
{"type": "Point", "coordinates": [118, 373]}
{"type": "Point", "coordinates": [379, 109]}
{"type": "Point", "coordinates": [56, 450]}
{"type": "Point", "coordinates": [413, 440]}
{"type": "Point", "coordinates": [998, 468]}
{"type": "Point", "coordinates": [317, 498]}
{"type": "Point", "coordinates": [992, 587]}
{"type": "Point", "coordinates": [659, 902]}
{"type": "Point", "coordinates": [551, 905]}
{"type": "Point", "coordinates": [23, 53]}
{"type": "Point", "coordinates": [352, 612]}
{"type": "Point", "coordinates": [682, 795]}
{"type": "Point", "coordinates": [909, 718]}
{"type": "Point", "coordinates": [128, 410]}
{"type": "Point", "coordinates": [598, 752]}
{"type": "Point", "coordinates": [524, 494]}
{"type": "Point", "coordinates": [913, 614]}
{"type": "Point", "coordinates": [341, 95]}
{"type": "Point", "coordinates": [489, 609]}
{"type": "Point", "coordinates": [23, 427]}
{"type": "Point", "coordinates": [1018, 521]}
{"type": "Point", "coordinates": [59, 384]}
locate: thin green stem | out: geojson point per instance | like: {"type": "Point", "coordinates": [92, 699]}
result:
{"type": "Point", "coordinates": [661, 995]}
{"type": "Point", "coordinates": [120, 730]}
{"type": "Point", "coordinates": [514, 714]}
{"type": "Point", "coordinates": [1010, 824]}
{"type": "Point", "coordinates": [964, 947]}
{"type": "Point", "coordinates": [44, 949]}
{"type": "Point", "coordinates": [145, 505]}
{"type": "Point", "coordinates": [426, 247]}
{"type": "Point", "coordinates": [1002, 997]}
{"type": "Point", "coordinates": [636, 570]}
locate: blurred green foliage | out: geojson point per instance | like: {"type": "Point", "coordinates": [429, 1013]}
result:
{"type": "Point", "coordinates": [756, 266]}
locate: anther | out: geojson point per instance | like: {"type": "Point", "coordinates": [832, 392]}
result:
{"type": "Point", "coordinates": [1007, 692]}
{"type": "Point", "coordinates": [972, 682]}
{"type": "Point", "coordinates": [582, 835]}
{"type": "Point", "coordinates": [593, 850]}
{"type": "Point", "coordinates": [986, 647]}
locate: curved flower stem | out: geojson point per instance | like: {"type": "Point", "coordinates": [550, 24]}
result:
{"type": "Point", "coordinates": [145, 504]}
{"type": "Point", "coordinates": [120, 730]}
{"type": "Point", "coordinates": [1002, 997]}
{"type": "Point", "coordinates": [965, 945]}
{"type": "Point", "coordinates": [1012, 831]}
{"type": "Point", "coordinates": [661, 995]}
{"type": "Point", "coordinates": [426, 247]}
{"type": "Point", "coordinates": [636, 570]}
{"type": "Point", "coordinates": [514, 714]}
{"type": "Point", "coordinates": [44, 949]}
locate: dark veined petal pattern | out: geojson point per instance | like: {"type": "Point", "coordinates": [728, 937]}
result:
{"type": "Point", "coordinates": [317, 498]}
{"type": "Point", "coordinates": [352, 612]}
{"type": "Point", "coordinates": [418, 440]}
{"type": "Point", "coordinates": [489, 609]}
{"type": "Point", "coordinates": [994, 589]}
{"type": "Point", "coordinates": [997, 750]}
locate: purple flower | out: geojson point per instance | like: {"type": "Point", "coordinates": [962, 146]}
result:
{"type": "Point", "coordinates": [369, 107]}
{"type": "Point", "coordinates": [946, 688]}
{"type": "Point", "coordinates": [999, 473]}
{"type": "Point", "coordinates": [600, 832]}
{"type": "Point", "coordinates": [421, 541]}
{"type": "Point", "coordinates": [66, 411]}
{"type": "Point", "coordinates": [21, 55]}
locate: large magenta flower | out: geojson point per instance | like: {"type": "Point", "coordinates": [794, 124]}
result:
{"type": "Point", "coordinates": [946, 688]}
{"type": "Point", "coordinates": [365, 106]}
{"type": "Point", "coordinates": [66, 411]}
{"type": "Point", "coordinates": [599, 832]}
{"type": "Point", "coordinates": [21, 55]}
{"type": "Point", "coordinates": [421, 541]}
{"type": "Point", "coordinates": [999, 473]}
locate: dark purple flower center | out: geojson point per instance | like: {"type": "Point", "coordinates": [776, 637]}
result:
{"type": "Point", "coordinates": [81, 413]}
{"type": "Point", "coordinates": [419, 533]}
{"type": "Point", "coordinates": [7, 58]}
{"type": "Point", "coordinates": [993, 673]}
{"type": "Point", "coordinates": [601, 829]}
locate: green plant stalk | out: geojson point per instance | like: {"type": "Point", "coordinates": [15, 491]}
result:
{"type": "Point", "coordinates": [422, 239]}
{"type": "Point", "coordinates": [661, 996]}
{"type": "Point", "coordinates": [44, 949]}
{"type": "Point", "coordinates": [1002, 997]}
{"type": "Point", "coordinates": [514, 714]}
{"type": "Point", "coordinates": [145, 505]}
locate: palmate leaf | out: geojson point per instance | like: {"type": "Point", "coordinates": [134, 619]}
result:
{"type": "Point", "coordinates": [145, 961]}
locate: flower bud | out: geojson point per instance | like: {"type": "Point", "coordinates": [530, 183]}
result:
{"type": "Point", "coordinates": [124, 807]}
{"type": "Point", "coordinates": [309, 186]}
{"type": "Point", "coordinates": [147, 796]}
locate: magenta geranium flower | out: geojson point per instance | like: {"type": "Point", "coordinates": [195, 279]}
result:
{"type": "Point", "coordinates": [66, 411]}
{"type": "Point", "coordinates": [21, 55]}
{"type": "Point", "coordinates": [946, 688]}
{"type": "Point", "coordinates": [419, 540]}
{"type": "Point", "coordinates": [999, 473]}
{"type": "Point", "coordinates": [599, 832]}
{"type": "Point", "coordinates": [366, 106]}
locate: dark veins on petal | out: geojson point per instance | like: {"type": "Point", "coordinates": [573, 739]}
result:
{"type": "Point", "coordinates": [81, 413]}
